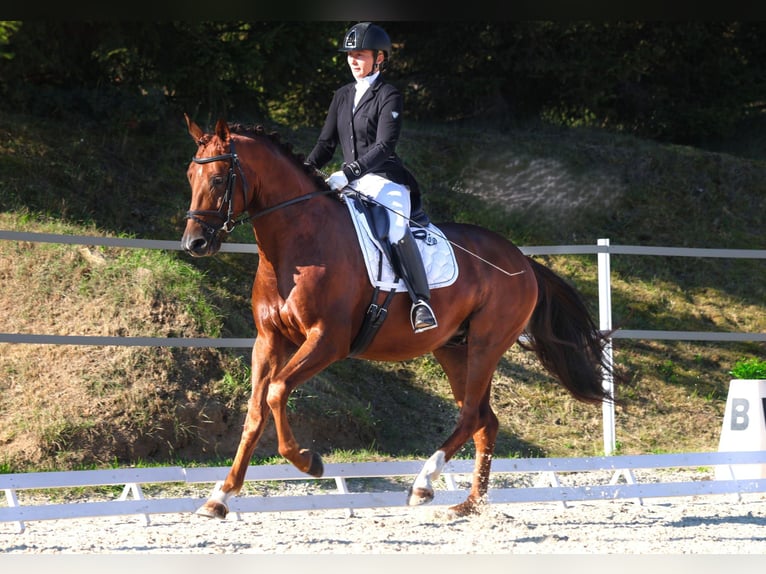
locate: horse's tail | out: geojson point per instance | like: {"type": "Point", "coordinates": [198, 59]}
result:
{"type": "Point", "coordinates": [565, 338]}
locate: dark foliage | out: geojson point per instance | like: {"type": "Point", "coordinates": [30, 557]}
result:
{"type": "Point", "coordinates": [682, 82]}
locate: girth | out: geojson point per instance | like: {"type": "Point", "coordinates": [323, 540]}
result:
{"type": "Point", "coordinates": [377, 218]}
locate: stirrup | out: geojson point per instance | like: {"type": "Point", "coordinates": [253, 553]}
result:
{"type": "Point", "coordinates": [425, 323]}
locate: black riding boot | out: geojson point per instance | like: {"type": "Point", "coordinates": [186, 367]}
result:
{"type": "Point", "coordinates": [410, 267]}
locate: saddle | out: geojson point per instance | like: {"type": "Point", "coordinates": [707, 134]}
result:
{"type": "Point", "coordinates": [371, 224]}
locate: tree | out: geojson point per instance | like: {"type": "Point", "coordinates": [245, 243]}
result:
{"type": "Point", "coordinates": [673, 81]}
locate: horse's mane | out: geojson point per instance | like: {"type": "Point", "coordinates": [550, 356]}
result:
{"type": "Point", "coordinates": [256, 131]}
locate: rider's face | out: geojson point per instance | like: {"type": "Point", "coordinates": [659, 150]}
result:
{"type": "Point", "coordinates": [361, 62]}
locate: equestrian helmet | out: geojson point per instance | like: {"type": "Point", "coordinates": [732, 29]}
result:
{"type": "Point", "coordinates": [366, 36]}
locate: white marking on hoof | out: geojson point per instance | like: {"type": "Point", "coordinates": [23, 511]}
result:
{"type": "Point", "coordinates": [216, 506]}
{"type": "Point", "coordinates": [416, 498]}
{"type": "Point", "coordinates": [214, 510]}
{"type": "Point", "coordinates": [422, 490]}
{"type": "Point", "coordinates": [219, 495]}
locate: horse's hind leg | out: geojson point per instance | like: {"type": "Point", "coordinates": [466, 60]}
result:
{"type": "Point", "coordinates": [470, 380]}
{"type": "Point", "coordinates": [484, 441]}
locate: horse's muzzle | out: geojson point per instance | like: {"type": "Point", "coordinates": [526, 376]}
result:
{"type": "Point", "coordinates": [197, 243]}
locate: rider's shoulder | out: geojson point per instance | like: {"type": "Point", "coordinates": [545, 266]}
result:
{"type": "Point", "coordinates": [387, 90]}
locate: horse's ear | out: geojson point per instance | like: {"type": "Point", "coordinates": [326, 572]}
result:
{"type": "Point", "coordinates": [222, 130]}
{"type": "Point", "coordinates": [194, 130]}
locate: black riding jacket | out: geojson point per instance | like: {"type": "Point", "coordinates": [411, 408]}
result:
{"type": "Point", "coordinates": [368, 138]}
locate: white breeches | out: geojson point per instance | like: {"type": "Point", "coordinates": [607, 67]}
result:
{"type": "Point", "coordinates": [394, 196]}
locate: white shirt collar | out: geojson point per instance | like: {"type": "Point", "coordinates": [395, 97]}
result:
{"type": "Point", "coordinates": [362, 86]}
{"type": "Point", "coordinates": [367, 81]}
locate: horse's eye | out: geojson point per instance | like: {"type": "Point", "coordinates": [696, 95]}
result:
{"type": "Point", "coordinates": [217, 180]}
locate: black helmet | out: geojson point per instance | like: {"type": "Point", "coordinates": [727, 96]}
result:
{"type": "Point", "coordinates": [366, 36]}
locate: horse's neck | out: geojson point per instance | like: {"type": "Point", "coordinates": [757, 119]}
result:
{"type": "Point", "coordinates": [306, 233]}
{"type": "Point", "coordinates": [302, 233]}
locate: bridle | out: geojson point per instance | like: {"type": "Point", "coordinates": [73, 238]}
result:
{"type": "Point", "coordinates": [226, 212]}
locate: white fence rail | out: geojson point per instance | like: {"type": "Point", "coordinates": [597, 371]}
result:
{"type": "Point", "coordinates": [132, 479]}
{"type": "Point", "coordinates": [549, 488]}
{"type": "Point", "coordinates": [603, 249]}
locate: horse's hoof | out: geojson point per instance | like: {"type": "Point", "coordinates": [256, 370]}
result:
{"type": "Point", "coordinates": [468, 508]}
{"type": "Point", "coordinates": [418, 496]}
{"type": "Point", "coordinates": [213, 509]}
{"type": "Point", "coordinates": [316, 468]}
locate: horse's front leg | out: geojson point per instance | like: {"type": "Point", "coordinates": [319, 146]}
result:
{"type": "Point", "coordinates": [255, 423]}
{"type": "Point", "coordinates": [312, 356]}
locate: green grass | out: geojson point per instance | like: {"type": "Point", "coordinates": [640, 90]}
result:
{"type": "Point", "coordinates": [749, 368]}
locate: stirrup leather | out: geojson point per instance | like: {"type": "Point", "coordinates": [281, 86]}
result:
{"type": "Point", "coordinates": [426, 323]}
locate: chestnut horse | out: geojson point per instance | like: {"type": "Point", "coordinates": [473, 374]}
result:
{"type": "Point", "coordinates": [311, 293]}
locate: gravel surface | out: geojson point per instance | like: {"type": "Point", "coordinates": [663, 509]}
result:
{"type": "Point", "coordinates": [710, 524]}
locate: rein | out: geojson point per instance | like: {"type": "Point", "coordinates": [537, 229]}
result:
{"type": "Point", "coordinates": [228, 222]}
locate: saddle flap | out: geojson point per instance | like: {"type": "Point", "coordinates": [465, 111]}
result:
{"type": "Point", "coordinates": [437, 253]}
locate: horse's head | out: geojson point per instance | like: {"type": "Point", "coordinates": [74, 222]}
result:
{"type": "Point", "coordinates": [213, 175]}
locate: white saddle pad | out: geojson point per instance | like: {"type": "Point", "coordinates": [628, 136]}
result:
{"type": "Point", "coordinates": [437, 253]}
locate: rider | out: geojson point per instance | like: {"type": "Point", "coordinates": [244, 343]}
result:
{"type": "Point", "coordinates": [365, 118]}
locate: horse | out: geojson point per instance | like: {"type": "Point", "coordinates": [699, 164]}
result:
{"type": "Point", "coordinates": [310, 295]}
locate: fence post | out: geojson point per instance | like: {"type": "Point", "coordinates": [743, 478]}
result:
{"type": "Point", "coordinates": [13, 502]}
{"type": "Point", "coordinates": [605, 324]}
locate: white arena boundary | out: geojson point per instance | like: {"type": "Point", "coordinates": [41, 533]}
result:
{"type": "Point", "coordinates": [622, 485]}
{"type": "Point", "coordinates": [133, 502]}
{"type": "Point", "coordinates": [603, 249]}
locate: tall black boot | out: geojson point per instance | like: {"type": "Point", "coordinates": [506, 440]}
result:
{"type": "Point", "coordinates": [410, 267]}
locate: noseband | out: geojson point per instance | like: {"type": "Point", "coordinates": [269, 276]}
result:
{"type": "Point", "coordinates": [228, 222]}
